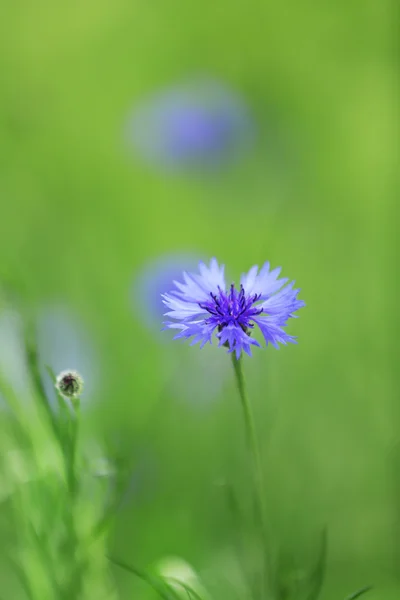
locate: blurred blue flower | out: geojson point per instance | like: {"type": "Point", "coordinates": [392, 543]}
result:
{"type": "Point", "coordinates": [202, 305]}
{"type": "Point", "coordinates": [184, 375]}
{"type": "Point", "coordinates": [198, 124]}
{"type": "Point", "coordinates": [155, 277]}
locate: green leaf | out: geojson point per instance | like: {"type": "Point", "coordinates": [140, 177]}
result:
{"type": "Point", "coordinates": [32, 358]}
{"type": "Point", "coordinates": [154, 581]}
{"type": "Point", "coordinates": [359, 593]}
{"type": "Point", "coordinates": [193, 594]}
{"type": "Point", "coordinates": [290, 582]}
{"type": "Point", "coordinates": [318, 574]}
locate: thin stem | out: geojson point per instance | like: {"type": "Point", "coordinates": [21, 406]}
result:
{"type": "Point", "coordinates": [365, 589]}
{"type": "Point", "coordinates": [157, 584]}
{"type": "Point", "coordinates": [252, 443]}
{"type": "Point", "coordinates": [74, 433]}
{"type": "Point", "coordinates": [76, 580]}
{"type": "Point", "coordinates": [33, 362]}
{"type": "Point", "coordinates": [190, 591]}
{"type": "Point", "coordinates": [251, 437]}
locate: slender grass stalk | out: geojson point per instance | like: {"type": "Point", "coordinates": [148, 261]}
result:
{"type": "Point", "coordinates": [189, 590]}
{"type": "Point", "coordinates": [105, 520]}
{"type": "Point", "coordinates": [74, 424]}
{"type": "Point", "coordinates": [158, 585]}
{"type": "Point", "coordinates": [359, 593]}
{"type": "Point", "coordinates": [34, 367]}
{"type": "Point", "coordinates": [252, 443]}
{"type": "Point", "coordinates": [67, 436]}
{"type": "Point", "coordinates": [76, 581]}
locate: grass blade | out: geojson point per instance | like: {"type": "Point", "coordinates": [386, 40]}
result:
{"type": "Point", "coordinates": [359, 593]}
{"type": "Point", "coordinates": [317, 577]}
{"type": "Point", "coordinates": [155, 582]}
{"type": "Point", "coordinates": [193, 594]}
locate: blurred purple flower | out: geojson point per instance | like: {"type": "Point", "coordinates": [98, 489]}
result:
{"type": "Point", "coordinates": [182, 370]}
{"type": "Point", "coordinates": [154, 278]}
{"type": "Point", "coordinates": [198, 124]}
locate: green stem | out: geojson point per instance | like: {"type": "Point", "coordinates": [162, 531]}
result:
{"type": "Point", "coordinates": [365, 589]}
{"type": "Point", "coordinates": [252, 443]}
{"type": "Point", "coordinates": [74, 433]}
{"type": "Point", "coordinates": [156, 583]}
{"type": "Point", "coordinates": [190, 591]}
{"type": "Point", "coordinates": [33, 362]}
{"type": "Point", "coordinates": [76, 581]}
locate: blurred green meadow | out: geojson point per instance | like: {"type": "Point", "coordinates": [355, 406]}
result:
{"type": "Point", "coordinates": [83, 216]}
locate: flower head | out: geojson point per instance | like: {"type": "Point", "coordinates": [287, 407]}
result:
{"type": "Point", "coordinates": [69, 384]}
{"type": "Point", "coordinates": [202, 305]}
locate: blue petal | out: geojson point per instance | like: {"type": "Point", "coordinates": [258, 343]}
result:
{"type": "Point", "coordinates": [264, 283]}
{"type": "Point", "coordinates": [272, 332]}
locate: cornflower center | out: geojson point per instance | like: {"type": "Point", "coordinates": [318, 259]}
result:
{"type": "Point", "coordinates": [232, 307]}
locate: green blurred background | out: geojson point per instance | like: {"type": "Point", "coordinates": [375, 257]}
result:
{"type": "Point", "coordinates": [81, 216]}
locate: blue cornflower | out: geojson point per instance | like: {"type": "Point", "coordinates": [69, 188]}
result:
{"type": "Point", "coordinates": [203, 305]}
